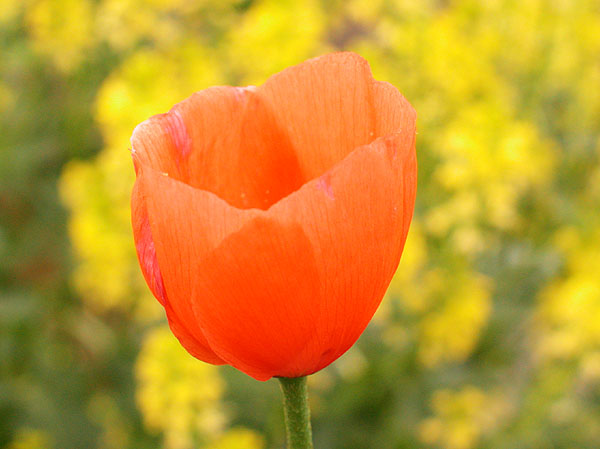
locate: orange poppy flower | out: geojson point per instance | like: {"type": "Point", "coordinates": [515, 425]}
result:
{"type": "Point", "coordinates": [270, 220]}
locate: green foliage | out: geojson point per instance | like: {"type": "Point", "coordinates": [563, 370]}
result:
{"type": "Point", "coordinates": [489, 336]}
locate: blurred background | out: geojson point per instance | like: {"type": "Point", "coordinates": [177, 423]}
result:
{"type": "Point", "coordinates": [489, 336]}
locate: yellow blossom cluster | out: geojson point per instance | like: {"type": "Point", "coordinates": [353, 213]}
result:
{"type": "Point", "coordinates": [569, 308]}
{"type": "Point", "coordinates": [447, 309]}
{"type": "Point", "coordinates": [182, 398]}
{"type": "Point", "coordinates": [462, 418]}
{"type": "Point", "coordinates": [80, 27]}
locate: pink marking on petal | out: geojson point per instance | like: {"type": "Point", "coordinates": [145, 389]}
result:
{"type": "Point", "coordinates": [391, 148]}
{"type": "Point", "coordinates": [179, 135]}
{"type": "Point", "coordinates": [149, 262]}
{"type": "Point", "coordinates": [324, 184]}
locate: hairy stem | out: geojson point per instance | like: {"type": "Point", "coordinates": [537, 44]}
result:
{"type": "Point", "coordinates": [297, 412]}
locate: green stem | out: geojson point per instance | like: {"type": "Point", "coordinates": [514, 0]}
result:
{"type": "Point", "coordinates": [297, 412]}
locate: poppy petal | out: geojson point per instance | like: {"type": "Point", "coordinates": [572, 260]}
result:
{"type": "Point", "coordinates": [194, 343]}
{"type": "Point", "coordinates": [356, 217]}
{"type": "Point", "coordinates": [144, 245]}
{"type": "Point", "coordinates": [257, 296]}
{"type": "Point", "coordinates": [152, 145]}
{"type": "Point", "coordinates": [326, 107]}
{"type": "Point", "coordinates": [225, 140]}
{"type": "Point", "coordinates": [394, 113]}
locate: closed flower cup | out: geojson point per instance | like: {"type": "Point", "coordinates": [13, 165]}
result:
{"type": "Point", "coordinates": [269, 220]}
